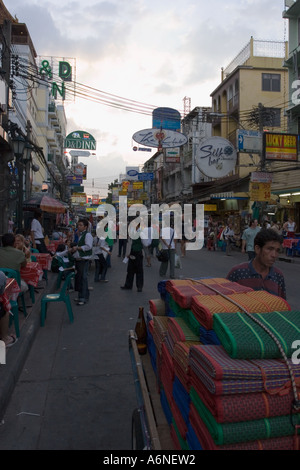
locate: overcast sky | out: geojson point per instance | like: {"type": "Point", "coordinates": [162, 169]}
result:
{"type": "Point", "coordinates": [149, 51]}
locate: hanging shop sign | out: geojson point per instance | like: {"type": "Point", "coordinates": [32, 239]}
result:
{"type": "Point", "coordinates": [78, 198]}
{"type": "Point", "coordinates": [80, 170]}
{"type": "Point", "coordinates": [216, 157]}
{"type": "Point", "coordinates": [173, 155]}
{"type": "Point", "coordinates": [260, 192]}
{"type": "Point", "coordinates": [249, 141]}
{"type": "Point", "coordinates": [80, 140]}
{"type": "Point", "coordinates": [137, 185]}
{"type": "Point", "coordinates": [160, 138]}
{"type": "Point", "coordinates": [166, 118]}
{"type": "Point", "coordinates": [141, 149]}
{"type": "Point", "coordinates": [145, 176]}
{"type": "Point", "coordinates": [282, 147]}
{"type": "Point", "coordinates": [132, 173]}
{"type": "Point", "coordinates": [74, 180]}
{"type": "Point", "coordinates": [261, 177]}
{"type": "Point", "coordinates": [58, 71]}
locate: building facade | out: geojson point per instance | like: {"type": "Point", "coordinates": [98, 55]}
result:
{"type": "Point", "coordinates": [30, 114]}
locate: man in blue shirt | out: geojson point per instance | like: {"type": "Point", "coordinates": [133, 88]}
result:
{"type": "Point", "coordinates": [259, 273]}
{"type": "Point", "coordinates": [248, 238]}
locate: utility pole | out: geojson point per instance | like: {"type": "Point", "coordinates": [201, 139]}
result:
{"type": "Point", "coordinates": [28, 163]}
{"type": "Point", "coordinates": [261, 130]}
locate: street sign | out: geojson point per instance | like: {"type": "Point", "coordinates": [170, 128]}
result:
{"type": "Point", "coordinates": [145, 176]}
{"type": "Point", "coordinates": [249, 141]}
{"type": "Point", "coordinates": [79, 153]}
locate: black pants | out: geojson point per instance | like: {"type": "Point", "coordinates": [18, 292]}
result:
{"type": "Point", "coordinates": [41, 246]}
{"type": "Point", "coordinates": [81, 279]}
{"type": "Point", "coordinates": [135, 267]}
{"type": "Point", "coordinates": [100, 268]}
{"type": "Point", "coordinates": [122, 247]}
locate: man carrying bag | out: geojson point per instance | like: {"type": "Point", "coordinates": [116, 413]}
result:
{"type": "Point", "coordinates": [168, 252]}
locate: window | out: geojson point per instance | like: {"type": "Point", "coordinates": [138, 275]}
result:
{"type": "Point", "coordinates": [271, 117]}
{"type": "Point", "coordinates": [271, 81]}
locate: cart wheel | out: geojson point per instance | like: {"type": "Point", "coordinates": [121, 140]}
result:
{"type": "Point", "coordinates": [137, 440]}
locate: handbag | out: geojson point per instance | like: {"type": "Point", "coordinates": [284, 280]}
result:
{"type": "Point", "coordinates": [164, 255]}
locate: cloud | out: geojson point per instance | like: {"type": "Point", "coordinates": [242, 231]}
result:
{"type": "Point", "coordinates": [155, 53]}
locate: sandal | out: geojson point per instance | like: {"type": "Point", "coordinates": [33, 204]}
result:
{"type": "Point", "coordinates": [13, 341]}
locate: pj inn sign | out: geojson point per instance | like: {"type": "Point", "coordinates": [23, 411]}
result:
{"type": "Point", "coordinates": [80, 140]}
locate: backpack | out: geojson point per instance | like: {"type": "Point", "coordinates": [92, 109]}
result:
{"type": "Point", "coordinates": [54, 265]}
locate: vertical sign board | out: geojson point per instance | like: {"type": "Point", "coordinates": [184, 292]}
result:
{"type": "Point", "coordinates": [260, 186]}
{"type": "Point", "coordinates": [166, 118]}
{"type": "Point", "coordinates": [280, 147]}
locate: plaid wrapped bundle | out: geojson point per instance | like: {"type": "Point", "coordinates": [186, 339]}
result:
{"type": "Point", "coordinates": [243, 338]}
{"type": "Point", "coordinates": [222, 375]}
{"type": "Point", "coordinates": [157, 307]}
{"type": "Point", "coordinates": [159, 331]}
{"type": "Point", "coordinates": [200, 435]}
{"type": "Point", "coordinates": [161, 287]}
{"type": "Point", "coordinates": [181, 362]}
{"type": "Point", "coordinates": [178, 331]}
{"type": "Point", "coordinates": [243, 431]}
{"type": "Point", "coordinates": [183, 290]}
{"type": "Point", "coordinates": [167, 372]}
{"type": "Point", "coordinates": [182, 399]}
{"type": "Point", "coordinates": [179, 442]}
{"type": "Point", "coordinates": [175, 307]}
{"type": "Point", "coordinates": [151, 345]}
{"type": "Point", "coordinates": [178, 418]}
{"type": "Point", "coordinates": [191, 321]}
{"type": "Point", "coordinates": [208, 336]}
{"type": "Point", "coordinates": [205, 307]}
{"type": "Point", "coordinates": [244, 406]}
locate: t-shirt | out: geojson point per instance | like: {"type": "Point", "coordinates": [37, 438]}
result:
{"type": "Point", "coordinates": [36, 228]}
{"type": "Point", "coordinates": [249, 235]}
{"type": "Point", "coordinates": [146, 236]}
{"type": "Point", "coordinates": [11, 258]}
{"type": "Point", "coordinates": [166, 234]}
{"type": "Point", "coordinates": [228, 233]}
{"type": "Point", "coordinates": [245, 275]}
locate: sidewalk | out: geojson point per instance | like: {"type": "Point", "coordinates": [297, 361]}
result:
{"type": "Point", "coordinates": [16, 355]}
{"type": "Point", "coordinates": [70, 386]}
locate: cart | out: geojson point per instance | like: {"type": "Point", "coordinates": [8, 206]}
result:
{"type": "Point", "coordinates": [150, 429]}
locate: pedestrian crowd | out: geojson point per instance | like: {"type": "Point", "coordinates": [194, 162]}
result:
{"type": "Point", "coordinates": [81, 245]}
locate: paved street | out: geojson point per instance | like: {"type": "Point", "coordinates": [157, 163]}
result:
{"type": "Point", "coordinates": [76, 388]}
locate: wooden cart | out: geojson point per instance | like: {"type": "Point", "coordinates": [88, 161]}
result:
{"type": "Point", "coordinates": [150, 429]}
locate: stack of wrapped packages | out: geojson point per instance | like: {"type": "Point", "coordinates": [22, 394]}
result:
{"type": "Point", "coordinates": [223, 358]}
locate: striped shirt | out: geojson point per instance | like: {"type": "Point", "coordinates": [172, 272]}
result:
{"type": "Point", "coordinates": [246, 275]}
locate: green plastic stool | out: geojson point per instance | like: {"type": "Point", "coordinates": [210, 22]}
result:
{"type": "Point", "coordinates": [62, 296]}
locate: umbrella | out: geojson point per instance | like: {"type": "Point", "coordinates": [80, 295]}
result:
{"type": "Point", "coordinates": [44, 202]}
